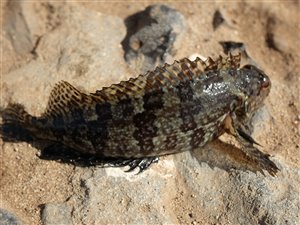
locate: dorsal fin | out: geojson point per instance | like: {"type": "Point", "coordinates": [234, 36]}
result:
{"type": "Point", "coordinates": [165, 77]}
{"type": "Point", "coordinates": [232, 61]}
{"type": "Point", "coordinates": [63, 97]}
{"type": "Point", "coordinates": [122, 90]}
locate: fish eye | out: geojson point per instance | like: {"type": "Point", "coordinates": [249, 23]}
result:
{"type": "Point", "coordinates": [265, 81]}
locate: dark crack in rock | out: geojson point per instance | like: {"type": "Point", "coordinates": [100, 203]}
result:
{"type": "Point", "coordinates": [276, 35]}
{"type": "Point", "coordinates": [270, 35]}
{"type": "Point", "coordinates": [217, 19]}
{"type": "Point", "coordinates": [152, 36]}
{"type": "Point", "coordinates": [17, 29]}
{"type": "Point", "coordinates": [7, 218]}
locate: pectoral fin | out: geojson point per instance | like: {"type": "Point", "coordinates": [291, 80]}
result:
{"type": "Point", "coordinates": [236, 129]}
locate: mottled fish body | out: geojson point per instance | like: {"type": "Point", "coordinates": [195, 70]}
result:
{"type": "Point", "coordinates": [174, 108]}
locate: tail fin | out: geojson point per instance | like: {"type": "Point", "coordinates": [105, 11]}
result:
{"type": "Point", "coordinates": [15, 113]}
{"type": "Point", "coordinates": [16, 123]}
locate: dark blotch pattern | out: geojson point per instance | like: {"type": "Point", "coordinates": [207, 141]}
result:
{"type": "Point", "coordinates": [79, 134]}
{"type": "Point", "coordinates": [144, 122]}
{"type": "Point", "coordinates": [171, 141]}
{"type": "Point", "coordinates": [58, 121]}
{"type": "Point", "coordinates": [98, 132]}
{"type": "Point", "coordinates": [197, 137]}
{"type": "Point", "coordinates": [185, 91]}
{"type": "Point", "coordinates": [58, 129]}
{"type": "Point", "coordinates": [125, 109]}
{"type": "Point", "coordinates": [124, 147]}
{"type": "Point", "coordinates": [43, 120]}
{"type": "Point", "coordinates": [186, 94]}
{"type": "Point", "coordinates": [77, 116]}
{"type": "Point", "coordinates": [153, 100]}
{"type": "Point", "coordinates": [103, 111]}
{"type": "Point", "coordinates": [145, 130]}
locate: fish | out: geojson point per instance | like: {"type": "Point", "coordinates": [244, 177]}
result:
{"type": "Point", "coordinates": [174, 108]}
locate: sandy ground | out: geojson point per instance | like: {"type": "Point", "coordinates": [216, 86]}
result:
{"type": "Point", "coordinates": [27, 182]}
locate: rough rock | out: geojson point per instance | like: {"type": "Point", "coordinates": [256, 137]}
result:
{"type": "Point", "coordinates": [56, 213]}
{"type": "Point", "coordinates": [61, 55]}
{"type": "Point", "coordinates": [276, 35]}
{"type": "Point", "coordinates": [244, 198]}
{"type": "Point", "coordinates": [15, 25]}
{"type": "Point", "coordinates": [213, 185]}
{"type": "Point", "coordinates": [153, 36]}
{"type": "Point", "coordinates": [7, 218]}
{"type": "Point", "coordinates": [123, 198]}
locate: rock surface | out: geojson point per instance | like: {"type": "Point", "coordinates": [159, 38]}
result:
{"type": "Point", "coordinates": [56, 214]}
{"type": "Point", "coordinates": [153, 36]}
{"type": "Point", "coordinates": [81, 43]}
{"type": "Point", "coordinates": [6, 218]}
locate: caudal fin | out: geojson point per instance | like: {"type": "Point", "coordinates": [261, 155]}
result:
{"type": "Point", "coordinates": [16, 123]}
{"type": "Point", "coordinates": [15, 113]}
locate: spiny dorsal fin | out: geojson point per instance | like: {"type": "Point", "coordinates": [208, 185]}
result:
{"type": "Point", "coordinates": [165, 77]}
{"type": "Point", "coordinates": [232, 61]}
{"type": "Point", "coordinates": [122, 90]}
{"type": "Point", "coordinates": [63, 97]}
